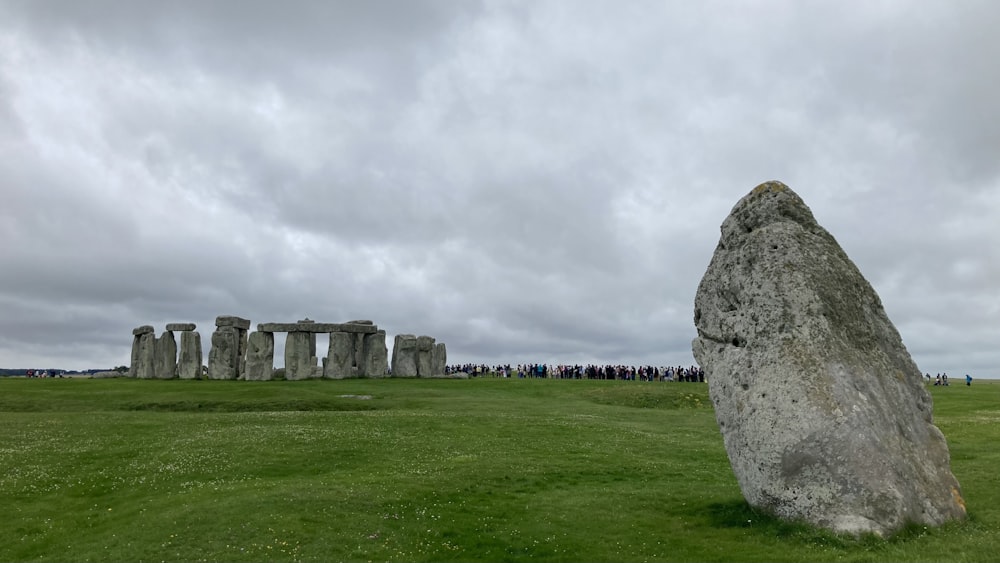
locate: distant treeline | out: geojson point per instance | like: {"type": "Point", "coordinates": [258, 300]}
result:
{"type": "Point", "coordinates": [24, 371]}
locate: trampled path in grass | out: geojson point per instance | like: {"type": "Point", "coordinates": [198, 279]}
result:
{"type": "Point", "coordinates": [421, 470]}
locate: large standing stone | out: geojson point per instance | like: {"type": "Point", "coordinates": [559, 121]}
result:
{"type": "Point", "coordinates": [300, 355]}
{"type": "Point", "coordinates": [823, 413]}
{"type": "Point", "coordinates": [439, 359]}
{"type": "Point", "coordinates": [312, 335]}
{"type": "Point", "coordinates": [425, 347]}
{"type": "Point", "coordinates": [340, 355]}
{"type": "Point", "coordinates": [404, 356]}
{"type": "Point", "coordinates": [230, 362]}
{"type": "Point", "coordinates": [137, 334]}
{"type": "Point", "coordinates": [223, 358]}
{"type": "Point", "coordinates": [260, 356]}
{"type": "Point", "coordinates": [144, 353]}
{"type": "Point", "coordinates": [189, 357]}
{"type": "Point", "coordinates": [375, 355]}
{"type": "Point", "coordinates": [359, 347]}
{"type": "Point", "coordinates": [165, 356]}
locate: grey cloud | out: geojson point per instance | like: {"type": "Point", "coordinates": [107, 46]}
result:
{"type": "Point", "coordinates": [535, 181]}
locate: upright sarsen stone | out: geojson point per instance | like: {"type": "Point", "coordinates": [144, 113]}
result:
{"type": "Point", "coordinates": [189, 357]}
{"type": "Point", "coordinates": [223, 358]}
{"type": "Point", "coordinates": [227, 358]}
{"type": "Point", "coordinates": [138, 352]}
{"type": "Point", "coordinates": [376, 355]}
{"type": "Point", "coordinates": [439, 359]}
{"type": "Point", "coordinates": [824, 415]}
{"type": "Point", "coordinates": [404, 356]}
{"type": "Point", "coordinates": [165, 356]}
{"type": "Point", "coordinates": [300, 355]}
{"type": "Point", "coordinates": [425, 347]}
{"type": "Point", "coordinates": [260, 356]}
{"type": "Point", "coordinates": [144, 354]}
{"type": "Point", "coordinates": [340, 355]}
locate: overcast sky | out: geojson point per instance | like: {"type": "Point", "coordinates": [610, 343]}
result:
{"type": "Point", "coordinates": [524, 181]}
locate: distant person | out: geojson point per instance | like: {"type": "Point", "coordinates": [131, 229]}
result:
{"type": "Point", "coordinates": [944, 380]}
{"type": "Point", "coordinates": [938, 380]}
{"type": "Point", "coordinates": [968, 380]}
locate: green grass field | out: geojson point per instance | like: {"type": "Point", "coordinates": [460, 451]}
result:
{"type": "Point", "coordinates": [423, 470]}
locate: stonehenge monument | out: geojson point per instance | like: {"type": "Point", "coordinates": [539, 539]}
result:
{"type": "Point", "coordinates": [418, 356]}
{"type": "Point", "coordinates": [226, 360]}
{"type": "Point", "coordinates": [157, 358]}
{"type": "Point", "coordinates": [356, 349]}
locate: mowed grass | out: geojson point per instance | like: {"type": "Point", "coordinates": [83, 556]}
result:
{"type": "Point", "coordinates": [421, 470]}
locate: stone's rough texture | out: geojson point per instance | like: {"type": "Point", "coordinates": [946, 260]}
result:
{"type": "Point", "coordinates": [300, 356]}
{"type": "Point", "coordinates": [365, 322]}
{"type": "Point", "coordinates": [404, 356]}
{"type": "Point", "coordinates": [231, 321]}
{"type": "Point", "coordinates": [180, 327]}
{"type": "Point", "coordinates": [340, 356]}
{"type": "Point", "coordinates": [189, 357]}
{"type": "Point", "coordinates": [134, 364]}
{"type": "Point", "coordinates": [358, 357]}
{"type": "Point", "coordinates": [143, 356]}
{"type": "Point", "coordinates": [316, 327]}
{"type": "Point", "coordinates": [223, 358]}
{"type": "Point", "coordinates": [241, 352]}
{"type": "Point", "coordinates": [425, 347]}
{"type": "Point", "coordinates": [373, 362]}
{"type": "Point", "coordinates": [823, 413]}
{"type": "Point", "coordinates": [260, 356]}
{"type": "Point", "coordinates": [144, 329]}
{"type": "Point", "coordinates": [165, 356]}
{"type": "Point", "coordinates": [439, 359]}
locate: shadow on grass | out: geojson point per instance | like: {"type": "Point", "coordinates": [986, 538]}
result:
{"type": "Point", "coordinates": [739, 514]}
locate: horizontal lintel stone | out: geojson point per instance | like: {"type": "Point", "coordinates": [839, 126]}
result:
{"type": "Point", "coordinates": [180, 326]}
{"type": "Point", "coordinates": [144, 329]}
{"type": "Point", "coordinates": [238, 322]}
{"type": "Point", "coordinates": [317, 327]}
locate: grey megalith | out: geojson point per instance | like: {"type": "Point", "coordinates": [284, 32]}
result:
{"type": "Point", "coordinates": [823, 413]}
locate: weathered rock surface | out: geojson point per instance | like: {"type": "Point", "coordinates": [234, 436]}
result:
{"type": "Point", "coordinates": [232, 321]}
{"type": "Point", "coordinates": [316, 327]}
{"type": "Point", "coordinates": [144, 329]}
{"type": "Point", "coordinates": [404, 356]}
{"type": "Point", "coordinates": [223, 358]}
{"type": "Point", "coordinates": [340, 356]}
{"type": "Point", "coordinates": [425, 346]}
{"type": "Point", "coordinates": [300, 355]}
{"type": "Point", "coordinates": [439, 359]}
{"type": "Point", "coordinates": [824, 415]}
{"type": "Point", "coordinates": [189, 356]}
{"type": "Point", "coordinates": [260, 356]}
{"type": "Point", "coordinates": [375, 355]}
{"type": "Point", "coordinates": [180, 327]}
{"type": "Point", "coordinates": [143, 355]}
{"type": "Point", "coordinates": [165, 356]}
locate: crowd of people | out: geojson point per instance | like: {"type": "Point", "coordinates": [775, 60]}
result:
{"type": "Point", "coordinates": [43, 373]}
{"type": "Point", "coordinates": [622, 372]}
{"type": "Point", "coordinates": [942, 379]}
